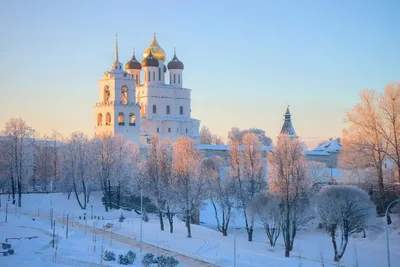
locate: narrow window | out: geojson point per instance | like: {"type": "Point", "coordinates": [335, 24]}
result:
{"type": "Point", "coordinates": [158, 130]}
{"type": "Point", "coordinates": [124, 95]}
{"type": "Point", "coordinates": [154, 75]}
{"type": "Point", "coordinates": [181, 110]}
{"type": "Point", "coordinates": [186, 130]}
{"type": "Point", "coordinates": [106, 94]}
{"type": "Point", "coordinates": [159, 74]}
{"type": "Point", "coordinates": [154, 109]}
{"type": "Point", "coordinates": [168, 110]}
{"type": "Point", "coordinates": [108, 119]}
{"type": "Point", "coordinates": [148, 74]}
{"type": "Point", "coordinates": [169, 130]}
{"type": "Point", "coordinates": [99, 119]}
{"type": "Point", "coordinates": [121, 119]}
{"type": "Point", "coordinates": [132, 119]}
{"type": "Point", "coordinates": [179, 78]}
{"type": "Point", "coordinates": [174, 77]}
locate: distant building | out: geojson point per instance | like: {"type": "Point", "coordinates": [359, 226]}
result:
{"type": "Point", "coordinates": [287, 127]}
{"type": "Point", "coordinates": [138, 107]}
{"type": "Point", "coordinates": [327, 153]}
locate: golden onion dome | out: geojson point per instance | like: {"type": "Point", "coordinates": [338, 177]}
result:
{"type": "Point", "coordinates": [156, 50]}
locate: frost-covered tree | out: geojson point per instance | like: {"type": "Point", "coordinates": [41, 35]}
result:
{"type": "Point", "coordinates": [236, 134]}
{"type": "Point", "coordinates": [158, 184]}
{"type": "Point", "coordinates": [77, 164]}
{"type": "Point", "coordinates": [207, 137]}
{"type": "Point", "coordinates": [344, 210]}
{"type": "Point", "coordinates": [247, 168]}
{"type": "Point", "coordinates": [18, 141]}
{"type": "Point", "coordinates": [189, 184]}
{"type": "Point", "coordinates": [290, 181]}
{"type": "Point", "coordinates": [267, 208]}
{"type": "Point", "coordinates": [221, 191]}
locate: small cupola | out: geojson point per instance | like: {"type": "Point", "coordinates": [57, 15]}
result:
{"type": "Point", "coordinates": [150, 61]}
{"type": "Point", "coordinates": [133, 64]}
{"type": "Point", "coordinates": [175, 63]}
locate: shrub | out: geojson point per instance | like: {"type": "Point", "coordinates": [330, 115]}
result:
{"type": "Point", "coordinates": [109, 256]}
{"type": "Point", "coordinates": [121, 218]}
{"type": "Point", "coordinates": [148, 259]}
{"type": "Point", "coordinates": [128, 259]}
{"type": "Point", "coordinates": [168, 261]}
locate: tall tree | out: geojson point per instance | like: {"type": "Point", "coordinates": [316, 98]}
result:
{"type": "Point", "coordinates": [364, 139]}
{"type": "Point", "coordinates": [221, 191]}
{"type": "Point", "coordinates": [289, 181]}
{"type": "Point", "coordinates": [19, 141]}
{"type": "Point", "coordinates": [190, 185]}
{"type": "Point", "coordinates": [236, 133]}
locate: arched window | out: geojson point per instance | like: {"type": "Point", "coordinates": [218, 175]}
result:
{"type": "Point", "coordinates": [121, 119]}
{"type": "Point", "coordinates": [168, 110]}
{"type": "Point", "coordinates": [158, 129]}
{"type": "Point", "coordinates": [169, 130]}
{"type": "Point", "coordinates": [108, 119]}
{"type": "Point", "coordinates": [159, 74]}
{"type": "Point", "coordinates": [174, 78]}
{"type": "Point", "coordinates": [186, 130]}
{"type": "Point", "coordinates": [181, 110]}
{"type": "Point", "coordinates": [124, 95]}
{"type": "Point", "coordinates": [99, 119]}
{"type": "Point", "coordinates": [148, 74]}
{"type": "Point", "coordinates": [106, 94]}
{"type": "Point", "coordinates": [179, 78]}
{"type": "Point", "coordinates": [132, 119]}
{"type": "Point", "coordinates": [154, 75]}
{"type": "Point", "coordinates": [154, 109]}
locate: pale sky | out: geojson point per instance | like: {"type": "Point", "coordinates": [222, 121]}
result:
{"type": "Point", "coordinates": [245, 61]}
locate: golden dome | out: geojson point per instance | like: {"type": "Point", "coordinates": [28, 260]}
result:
{"type": "Point", "coordinates": [156, 50]}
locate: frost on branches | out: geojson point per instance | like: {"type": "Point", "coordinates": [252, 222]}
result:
{"type": "Point", "coordinates": [344, 210]}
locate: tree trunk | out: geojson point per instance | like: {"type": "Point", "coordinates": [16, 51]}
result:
{"type": "Point", "coordinates": [161, 220]}
{"type": "Point", "coordinates": [333, 236]}
{"type": "Point", "coordinates": [224, 231]}
{"type": "Point", "coordinates": [19, 192]}
{"type": "Point", "coordinates": [109, 195]}
{"type": "Point", "coordinates": [119, 196]}
{"type": "Point", "coordinates": [250, 234]}
{"type": "Point", "coordinates": [13, 188]}
{"type": "Point", "coordinates": [170, 217]}
{"type": "Point", "coordinates": [188, 224]}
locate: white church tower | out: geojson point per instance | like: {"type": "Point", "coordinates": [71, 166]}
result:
{"type": "Point", "coordinates": [117, 111]}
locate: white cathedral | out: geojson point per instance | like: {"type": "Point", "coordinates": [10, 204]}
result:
{"type": "Point", "coordinates": [139, 109]}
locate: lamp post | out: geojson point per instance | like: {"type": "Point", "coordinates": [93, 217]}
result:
{"type": "Point", "coordinates": [387, 230]}
{"type": "Point", "coordinates": [141, 220]}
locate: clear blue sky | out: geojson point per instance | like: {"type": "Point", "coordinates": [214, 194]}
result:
{"type": "Point", "coordinates": [245, 61]}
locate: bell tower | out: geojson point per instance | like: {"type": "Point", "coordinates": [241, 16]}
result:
{"type": "Point", "coordinates": [117, 112]}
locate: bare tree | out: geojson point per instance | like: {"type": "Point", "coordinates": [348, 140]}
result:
{"type": "Point", "coordinates": [364, 141]}
{"type": "Point", "coordinates": [344, 210]}
{"type": "Point", "coordinates": [206, 137]}
{"type": "Point", "coordinates": [190, 185]}
{"type": "Point", "coordinates": [105, 157]}
{"type": "Point", "coordinates": [248, 171]}
{"type": "Point", "coordinates": [221, 191]}
{"type": "Point", "coordinates": [266, 207]}
{"type": "Point", "coordinates": [290, 182]}
{"type": "Point", "coordinates": [76, 164]}
{"type": "Point", "coordinates": [236, 133]}
{"type": "Point", "coordinates": [19, 141]}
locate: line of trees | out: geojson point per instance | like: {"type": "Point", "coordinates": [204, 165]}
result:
{"type": "Point", "coordinates": [371, 142]}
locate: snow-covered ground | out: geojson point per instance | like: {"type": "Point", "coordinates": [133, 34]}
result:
{"type": "Point", "coordinates": [207, 244]}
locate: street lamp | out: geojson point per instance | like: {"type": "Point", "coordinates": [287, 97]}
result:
{"type": "Point", "coordinates": [387, 230]}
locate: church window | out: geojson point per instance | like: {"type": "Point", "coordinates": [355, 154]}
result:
{"type": "Point", "coordinates": [169, 130]}
{"type": "Point", "coordinates": [181, 110]}
{"type": "Point", "coordinates": [179, 78]}
{"type": "Point", "coordinates": [186, 130]}
{"type": "Point", "coordinates": [154, 75]}
{"type": "Point", "coordinates": [124, 95]}
{"type": "Point", "coordinates": [168, 110]}
{"type": "Point", "coordinates": [158, 130]}
{"type": "Point", "coordinates": [174, 78]}
{"type": "Point", "coordinates": [154, 109]}
{"type": "Point", "coordinates": [99, 119]}
{"type": "Point", "coordinates": [148, 74]}
{"type": "Point", "coordinates": [106, 94]}
{"type": "Point", "coordinates": [108, 119]}
{"type": "Point", "coordinates": [159, 74]}
{"type": "Point", "coordinates": [121, 119]}
{"type": "Point", "coordinates": [132, 119]}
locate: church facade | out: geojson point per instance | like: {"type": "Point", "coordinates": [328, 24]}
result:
{"type": "Point", "coordinates": [137, 100]}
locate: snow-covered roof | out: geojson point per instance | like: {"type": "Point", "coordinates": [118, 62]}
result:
{"type": "Point", "coordinates": [316, 153]}
{"type": "Point", "coordinates": [332, 145]}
